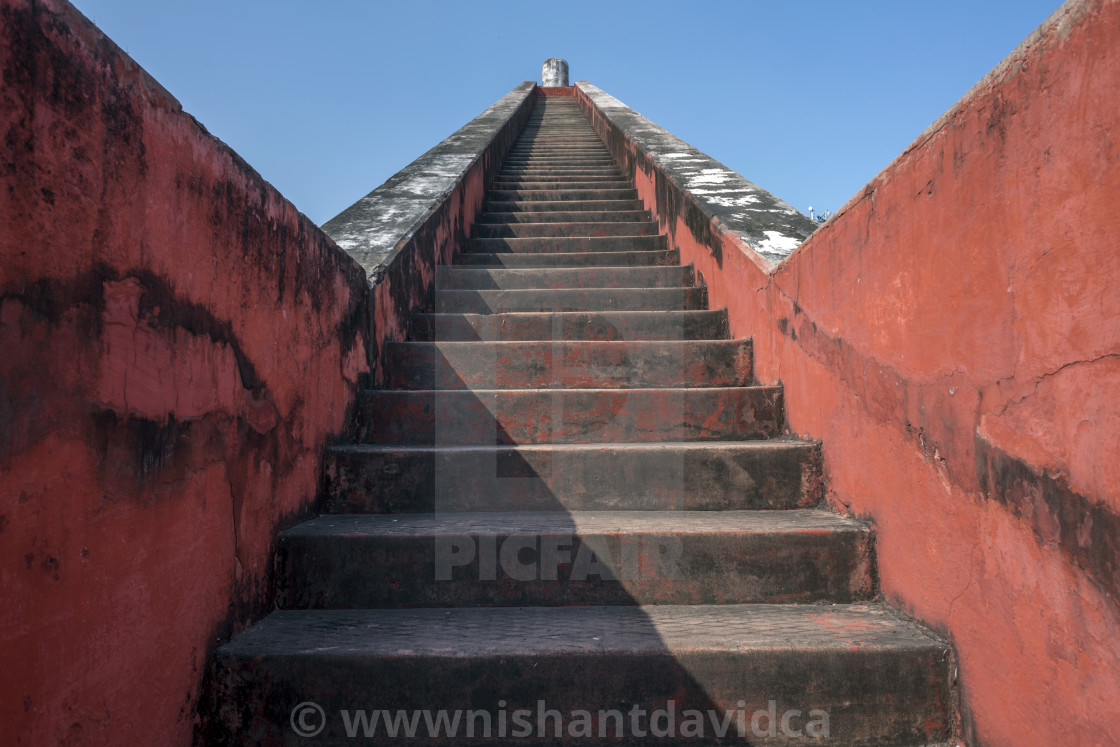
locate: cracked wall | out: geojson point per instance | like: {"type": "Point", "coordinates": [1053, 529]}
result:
{"type": "Point", "coordinates": [179, 344]}
{"type": "Point", "coordinates": [953, 336]}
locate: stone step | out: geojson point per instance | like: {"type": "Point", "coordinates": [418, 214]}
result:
{"type": "Point", "coordinates": [876, 677]}
{"type": "Point", "coordinates": [507, 195]}
{"type": "Point", "coordinates": [570, 299]}
{"type": "Point", "coordinates": [571, 228]}
{"type": "Point", "coordinates": [561, 180]}
{"type": "Point", "coordinates": [527, 161]}
{"type": "Point", "coordinates": [519, 184]}
{"type": "Point", "coordinates": [562, 364]}
{"type": "Point", "coordinates": [482, 278]}
{"type": "Point", "coordinates": [684, 475]}
{"type": "Point", "coordinates": [496, 559]}
{"type": "Point", "coordinates": [519, 416]}
{"type": "Point", "coordinates": [567, 244]}
{"type": "Point", "coordinates": [573, 149]}
{"type": "Point", "coordinates": [571, 259]}
{"type": "Point", "coordinates": [561, 171]}
{"type": "Point", "coordinates": [701, 324]}
{"type": "Point", "coordinates": [575, 206]}
{"type": "Point", "coordinates": [566, 216]}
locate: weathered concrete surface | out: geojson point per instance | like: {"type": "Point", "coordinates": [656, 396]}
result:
{"type": "Point", "coordinates": [681, 184]}
{"type": "Point", "coordinates": [554, 72]}
{"type": "Point", "coordinates": [418, 219]}
{"type": "Point", "coordinates": [552, 558]}
{"type": "Point", "coordinates": [694, 476]}
{"type": "Point", "coordinates": [179, 345]}
{"type": "Point", "coordinates": [883, 679]}
{"type": "Point", "coordinates": [564, 365]}
{"type": "Point", "coordinates": [518, 416]}
{"type": "Point", "coordinates": [378, 226]}
{"type": "Point", "coordinates": [952, 335]}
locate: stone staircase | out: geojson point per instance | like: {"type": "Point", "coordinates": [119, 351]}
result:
{"type": "Point", "coordinates": [571, 513]}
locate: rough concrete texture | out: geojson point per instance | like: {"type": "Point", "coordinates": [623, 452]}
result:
{"type": "Point", "coordinates": [554, 72]}
{"type": "Point", "coordinates": [883, 679]}
{"type": "Point", "coordinates": [591, 557]}
{"type": "Point", "coordinates": [418, 219]}
{"type": "Point", "coordinates": [375, 227]}
{"type": "Point", "coordinates": [701, 476]}
{"type": "Point", "coordinates": [677, 180]}
{"type": "Point", "coordinates": [952, 335]}
{"type": "Point", "coordinates": [179, 344]}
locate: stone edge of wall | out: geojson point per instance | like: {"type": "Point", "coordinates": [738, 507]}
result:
{"type": "Point", "coordinates": [378, 227]}
{"type": "Point", "coordinates": [421, 216]}
{"type": "Point", "coordinates": [726, 200]}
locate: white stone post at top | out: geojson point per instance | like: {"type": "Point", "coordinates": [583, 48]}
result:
{"type": "Point", "coordinates": [554, 72]}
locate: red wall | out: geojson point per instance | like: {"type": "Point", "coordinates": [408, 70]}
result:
{"type": "Point", "coordinates": [953, 336]}
{"type": "Point", "coordinates": [178, 344]}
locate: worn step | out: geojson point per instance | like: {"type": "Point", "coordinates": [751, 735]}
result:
{"type": "Point", "coordinates": [471, 278]}
{"type": "Point", "coordinates": [570, 299]}
{"type": "Point", "coordinates": [560, 178]}
{"type": "Point", "coordinates": [506, 195]}
{"type": "Point", "coordinates": [529, 161]}
{"type": "Point", "coordinates": [876, 678]}
{"type": "Point", "coordinates": [702, 324]}
{"type": "Point", "coordinates": [563, 364]}
{"type": "Point", "coordinates": [503, 559]}
{"type": "Point", "coordinates": [520, 416]}
{"type": "Point", "coordinates": [507, 184]}
{"type": "Point", "coordinates": [577, 206]}
{"type": "Point", "coordinates": [685, 475]}
{"type": "Point", "coordinates": [571, 259]}
{"type": "Point", "coordinates": [565, 216]}
{"type": "Point", "coordinates": [568, 244]}
{"type": "Point", "coordinates": [527, 171]}
{"type": "Point", "coordinates": [572, 149]}
{"type": "Point", "coordinates": [572, 228]}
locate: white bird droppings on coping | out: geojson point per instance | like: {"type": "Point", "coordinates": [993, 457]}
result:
{"type": "Point", "coordinates": [778, 243]}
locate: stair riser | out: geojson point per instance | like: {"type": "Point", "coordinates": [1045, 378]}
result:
{"type": "Point", "coordinates": [566, 216]}
{"type": "Point", "coordinates": [650, 325]}
{"type": "Point", "coordinates": [568, 245]}
{"type": "Point", "coordinates": [567, 365]}
{"type": "Point", "coordinates": [574, 149]}
{"type": "Point", "coordinates": [552, 195]}
{"type": "Point", "coordinates": [555, 568]}
{"type": "Point", "coordinates": [502, 230]}
{"type": "Point", "coordinates": [565, 171]}
{"type": "Point", "coordinates": [450, 278]}
{"type": "Point", "coordinates": [587, 259]}
{"type": "Point", "coordinates": [580, 299]}
{"type": "Point", "coordinates": [694, 477]}
{"type": "Point", "coordinates": [571, 206]}
{"type": "Point", "coordinates": [871, 696]}
{"type": "Point", "coordinates": [560, 176]}
{"type": "Point", "coordinates": [520, 184]}
{"type": "Point", "coordinates": [569, 416]}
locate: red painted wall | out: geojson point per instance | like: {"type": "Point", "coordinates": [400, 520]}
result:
{"type": "Point", "coordinates": [953, 336]}
{"type": "Point", "coordinates": [178, 344]}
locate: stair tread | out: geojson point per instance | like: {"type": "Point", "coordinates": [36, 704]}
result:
{"type": "Point", "coordinates": [583, 522]}
{"type": "Point", "coordinates": [772, 444]}
{"type": "Point", "coordinates": [469, 632]}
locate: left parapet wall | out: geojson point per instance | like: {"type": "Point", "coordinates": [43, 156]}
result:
{"type": "Point", "coordinates": [179, 343]}
{"type": "Point", "coordinates": [417, 219]}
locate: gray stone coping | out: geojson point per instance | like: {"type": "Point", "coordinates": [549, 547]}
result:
{"type": "Point", "coordinates": [375, 228]}
{"type": "Point", "coordinates": [768, 225]}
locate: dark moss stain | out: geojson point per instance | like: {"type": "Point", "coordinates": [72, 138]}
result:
{"type": "Point", "coordinates": [1087, 533]}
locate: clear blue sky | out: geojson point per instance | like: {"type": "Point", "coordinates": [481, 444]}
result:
{"type": "Point", "coordinates": [328, 99]}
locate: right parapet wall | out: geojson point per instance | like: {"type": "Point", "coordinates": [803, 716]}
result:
{"type": "Point", "coordinates": [952, 336]}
